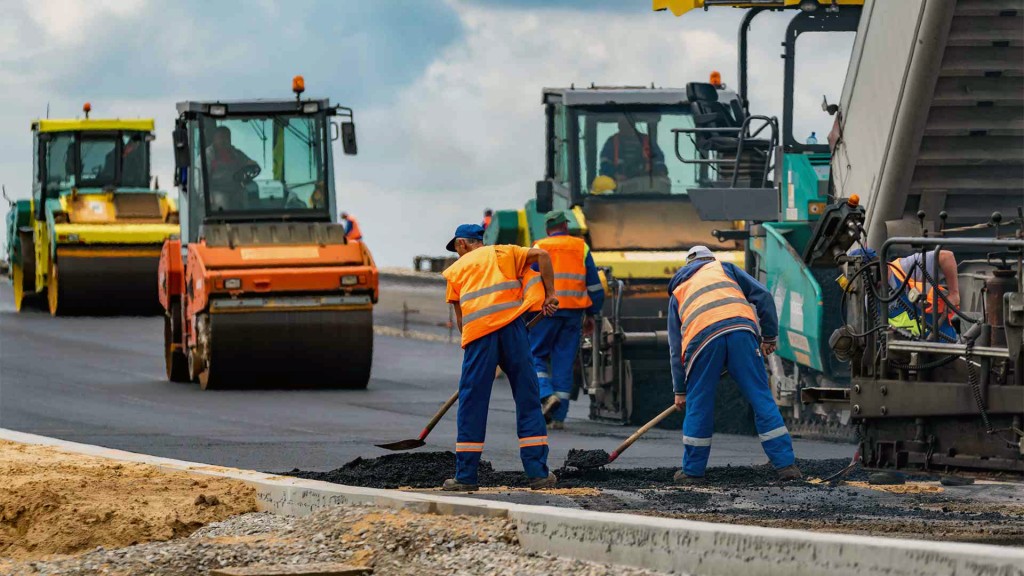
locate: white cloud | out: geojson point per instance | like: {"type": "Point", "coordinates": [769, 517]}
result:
{"type": "Point", "coordinates": [468, 134]}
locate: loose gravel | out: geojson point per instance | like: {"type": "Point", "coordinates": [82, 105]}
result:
{"type": "Point", "coordinates": [397, 543]}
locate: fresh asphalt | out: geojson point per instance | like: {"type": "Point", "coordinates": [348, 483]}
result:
{"type": "Point", "coordinates": [101, 381]}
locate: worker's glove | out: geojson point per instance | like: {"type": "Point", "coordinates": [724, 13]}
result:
{"type": "Point", "coordinates": [588, 325]}
{"type": "Point", "coordinates": [681, 402]}
{"type": "Point", "coordinates": [768, 347]}
{"type": "Point", "coordinates": [550, 305]}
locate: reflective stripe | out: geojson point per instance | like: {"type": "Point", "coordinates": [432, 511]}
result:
{"type": "Point", "coordinates": [490, 290]}
{"type": "Point", "coordinates": [710, 306]}
{"type": "Point", "coordinates": [490, 310]}
{"type": "Point", "coordinates": [469, 446]}
{"type": "Point", "coordinates": [543, 375]}
{"type": "Point", "coordinates": [563, 395]}
{"type": "Point", "coordinates": [691, 441]}
{"type": "Point", "coordinates": [533, 441]}
{"type": "Point", "coordinates": [705, 290]}
{"type": "Point", "coordinates": [567, 276]}
{"type": "Point", "coordinates": [571, 293]}
{"type": "Point", "coordinates": [595, 288]}
{"type": "Point", "coordinates": [772, 434]}
{"type": "Point", "coordinates": [532, 281]}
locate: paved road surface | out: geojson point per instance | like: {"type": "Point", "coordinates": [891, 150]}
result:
{"type": "Point", "coordinates": [100, 381]}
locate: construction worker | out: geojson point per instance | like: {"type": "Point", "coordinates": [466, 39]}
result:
{"type": "Point", "coordinates": [226, 166]}
{"type": "Point", "coordinates": [488, 214]}
{"type": "Point", "coordinates": [912, 310]}
{"type": "Point", "coordinates": [629, 154]}
{"type": "Point", "coordinates": [555, 340]}
{"type": "Point", "coordinates": [711, 327]}
{"type": "Point", "coordinates": [352, 231]}
{"type": "Point", "coordinates": [487, 289]}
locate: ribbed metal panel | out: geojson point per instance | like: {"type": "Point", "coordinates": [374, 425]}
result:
{"type": "Point", "coordinates": [971, 158]}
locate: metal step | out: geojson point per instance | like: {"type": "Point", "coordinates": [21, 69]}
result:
{"type": "Point", "coordinates": [987, 7]}
{"type": "Point", "coordinates": [970, 91]}
{"type": "Point", "coordinates": [971, 151]}
{"type": "Point", "coordinates": [984, 31]}
{"type": "Point", "coordinates": [979, 120]}
{"type": "Point", "coordinates": [980, 61]}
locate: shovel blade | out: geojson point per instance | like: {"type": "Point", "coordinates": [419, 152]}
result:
{"type": "Point", "coordinates": [587, 459]}
{"type": "Point", "coordinates": [403, 444]}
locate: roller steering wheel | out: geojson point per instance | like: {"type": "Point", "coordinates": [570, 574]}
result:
{"type": "Point", "coordinates": [247, 173]}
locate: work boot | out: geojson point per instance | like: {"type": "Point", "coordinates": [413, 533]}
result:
{"type": "Point", "coordinates": [453, 485]}
{"type": "Point", "coordinates": [789, 473]}
{"type": "Point", "coordinates": [542, 483]}
{"type": "Point", "coordinates": [548, 404]}
{"type": "Point", "coordinates": [683, 479]}
{"type": "Point", "coordinates": [558, 425]}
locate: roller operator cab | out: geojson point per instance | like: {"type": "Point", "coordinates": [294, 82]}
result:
{"type": "Point", "coordinates": [88, 240]}
{"type": "Point", "coordinates": [610, 166]}
{"type": "Point", "coordinates": [263, 287]}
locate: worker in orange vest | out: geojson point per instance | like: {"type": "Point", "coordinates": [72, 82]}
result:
{"type": "Point", "coordinates": [711, 326]}
{"type": "Point", "coordinates": [352, 231]}
{"type": "Point", "coordinates": [487, 289]}
{"type": "Point", "coordinates": [555, 341]}
{"type": "Point", "coordinates": [488, 214]}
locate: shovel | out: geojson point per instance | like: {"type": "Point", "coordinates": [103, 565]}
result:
{"type": "Point", "coordinates": [587, 459]}
{"type": "Point", "coordinates": [417, 442]}
{"type": "Point", "coordinates": [411, 443]}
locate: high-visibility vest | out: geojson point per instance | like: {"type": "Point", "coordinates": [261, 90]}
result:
{"type": "Point", "coordinates": [355, 233]}
{"type": "Point", "coordinates": [645, 139]}
{"type": "Point", "coordinates": [708, 297]}
{"type": "Point", "coordinates": [902, 318]}
{"type": "Point", "coordinates": [489, 299]}
{"type": "Point", "coordinates": [568, 258]}
{"type": "Point", "coordinates": [487, 221]}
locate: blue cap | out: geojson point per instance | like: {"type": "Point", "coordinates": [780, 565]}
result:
{"type": "Point", "coordinates": [467, 231]}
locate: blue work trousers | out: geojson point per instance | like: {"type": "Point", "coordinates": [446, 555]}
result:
{"type": "Point", "coordinates": [739, 351]}
{"type": "Point", "coordinates": [554, 342]}
{"type": "Point", "coordinates": [508, 347]}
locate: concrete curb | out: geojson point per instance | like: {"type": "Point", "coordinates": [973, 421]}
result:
{"type": "Point", "coordinates": [663, 544]}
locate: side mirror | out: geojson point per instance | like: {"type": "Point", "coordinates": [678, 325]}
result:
{"type": "Point", "coordinates": [348, 138]}
{"type": "Point", "coordinates": [545, 196]}
{"type": "Point", "coordinates": [181, 155]}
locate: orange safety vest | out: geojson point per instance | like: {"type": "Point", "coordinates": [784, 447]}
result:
{"type": "Point", "coordinates": [709, 296]}
{"type": "Point", "coordinates": [355, 233]}
{"type": "Point", "coordinates": [897, 270]}
{"type": "Point", "coordinates": [568, 258]}
{"type": "Point", "coordinates": [646, 151]}
{"type": "Point", "coordinates": [487, 221]}
{"type": "Point", "coordinates": [489, 300]}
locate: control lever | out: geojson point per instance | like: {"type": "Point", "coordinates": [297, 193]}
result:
{"type": "Point", "coordinates": [726, 235]}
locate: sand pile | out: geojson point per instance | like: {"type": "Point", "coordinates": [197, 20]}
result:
{"type": "Point", "coordinates": [52, 502]}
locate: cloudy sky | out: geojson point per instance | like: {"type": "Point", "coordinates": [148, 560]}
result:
{"type": "Point", "coordinates": [446, 92]}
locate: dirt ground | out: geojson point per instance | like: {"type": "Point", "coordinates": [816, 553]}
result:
{"type": "Point", "coordinates": [55, 503]}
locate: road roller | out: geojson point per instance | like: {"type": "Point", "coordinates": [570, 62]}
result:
{"type": "Point", "coordinates": [88, 239]}
{"type": "Point", "coordinates": [262, 287]}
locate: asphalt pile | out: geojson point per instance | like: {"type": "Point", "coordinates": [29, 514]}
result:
{"type": "Point", "coordinates": [430, 469]}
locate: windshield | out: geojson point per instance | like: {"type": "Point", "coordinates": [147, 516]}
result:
{"type": "Point", "coordinates": [261, 164]}
{"type": "Point", "coordinates": [631, 151]}
{"type": "Point", "coordinates": [118, 159]}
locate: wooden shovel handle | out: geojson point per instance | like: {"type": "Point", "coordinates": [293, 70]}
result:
{"type": "Point", "coordinates": [643, 430]}
{"type": "Point", "coordinates": [440, 414]}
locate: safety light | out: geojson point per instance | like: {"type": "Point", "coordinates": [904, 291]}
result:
{"type": "Point", "coordinates": [853, 201]}
{"type": "Point", "coordinates": [86, 108]}
{"type": "Point", "coordinates": [298, 85]}
{"type": "Point", "coordinates": [716, 79]}
{"type": "Point", "coordinates": [310, 108]}
{"type": "Point", "coordinates": [232, 283]}
{"type": "Point", "coordinates": [349, 280]}
{"type": "Point", "coordinates": [218, 110]}
{"type": "Point", "coordinates": [808, 5]}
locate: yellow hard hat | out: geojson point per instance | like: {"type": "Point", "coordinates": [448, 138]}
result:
{"type": "Point", "coordinates": [602, 185]}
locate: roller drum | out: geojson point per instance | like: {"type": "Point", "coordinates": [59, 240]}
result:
{"type": "Point", "coordinates": [306, 348]}
{"type": "Point", "coordinates": [109, 284]}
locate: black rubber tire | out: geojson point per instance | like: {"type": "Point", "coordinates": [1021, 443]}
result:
{"type": "Point", "coordinates": [175, 361]}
